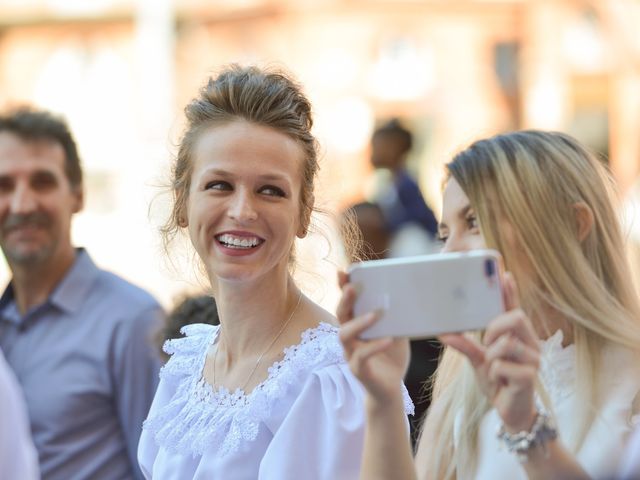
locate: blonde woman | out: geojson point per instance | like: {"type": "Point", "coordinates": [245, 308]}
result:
{"type": "Point", "coordinates": [547, 391]}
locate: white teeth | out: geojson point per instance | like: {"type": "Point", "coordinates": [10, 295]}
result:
{"type": "Point", "coordinates": [238, 242]}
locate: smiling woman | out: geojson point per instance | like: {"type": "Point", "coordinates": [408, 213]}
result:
{"type": "Point", "coordinates": [233, 400]}
{"type": "Point", "coordinates": [244, 209]}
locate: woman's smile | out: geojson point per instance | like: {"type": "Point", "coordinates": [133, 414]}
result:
{"type": "Point", "coordinates": [238, 243]}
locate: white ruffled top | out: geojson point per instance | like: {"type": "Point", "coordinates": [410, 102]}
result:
{"type": "Point", "coordinates": [600, 452]}
{"type": "Point", "coordinates": [306, 420]}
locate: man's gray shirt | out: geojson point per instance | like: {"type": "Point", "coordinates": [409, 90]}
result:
{"type": "Point", "coordinates": [86, 361]}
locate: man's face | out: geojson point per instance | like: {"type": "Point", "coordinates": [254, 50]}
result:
{"type": "Point", "coordinates": [36, 201]}
{"type": "Point", "coordinates": [387, 151]}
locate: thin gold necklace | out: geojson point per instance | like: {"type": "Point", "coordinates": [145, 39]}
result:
{"type": "Point", "coordinates": [255, 367]}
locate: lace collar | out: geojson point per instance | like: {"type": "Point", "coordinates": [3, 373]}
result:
{"type": "Point", "coordinates": [557, 367]}
{"type": "Point", "coordinates": [199, 417]}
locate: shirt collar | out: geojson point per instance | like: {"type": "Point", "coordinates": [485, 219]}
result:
{"type": "Point", "coordinates": [70, 292]}
{"type": "Point", "coordinates": [8, 308]}
{"type": "Point", "coordinates": [74, 287]}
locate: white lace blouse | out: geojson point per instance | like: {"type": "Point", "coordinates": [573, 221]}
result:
{"type": "Point", "coordinates": [600, 453]}
{"type": "Point", "coordinates": [305, 421]}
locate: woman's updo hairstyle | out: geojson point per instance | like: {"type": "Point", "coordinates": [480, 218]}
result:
{"type": "Point", "coordinates": [263, 97]}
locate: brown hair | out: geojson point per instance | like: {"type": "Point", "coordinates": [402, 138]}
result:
{"type": "Point", "coordinates": [264, 97]}
{"type": "Point", "coordinates": [38, 125]}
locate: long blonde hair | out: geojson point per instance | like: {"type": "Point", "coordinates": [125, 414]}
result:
{"type": "Point", "coordinates": [532, 182]}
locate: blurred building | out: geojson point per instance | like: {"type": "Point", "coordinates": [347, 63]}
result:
{"type": "Point", "coordinates": [121, 71]}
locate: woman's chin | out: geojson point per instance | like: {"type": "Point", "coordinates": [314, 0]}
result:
{"type": "Point", "coordinates": [234, 274]}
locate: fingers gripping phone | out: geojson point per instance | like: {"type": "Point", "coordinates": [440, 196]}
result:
{"type": "Point", "coordinates": [425, 296]}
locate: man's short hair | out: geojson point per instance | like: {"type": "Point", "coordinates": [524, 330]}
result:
{"type": "Point", "coordinates": [37, 125]}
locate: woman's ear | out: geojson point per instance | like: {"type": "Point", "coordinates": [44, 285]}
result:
{"type": "Point", "coordinates": [304, 225]}
{"type": "Point", "coordinates": [584, 219]}
{"type": "Point", "coordinates": [182, 217]}
{"type": "Point", "coordinates": [181, 205]}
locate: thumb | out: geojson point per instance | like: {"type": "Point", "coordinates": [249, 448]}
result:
{"type": "Point", "coordinates": [343, 278]}
{"type": "Point", "coordinates": [510, 295]}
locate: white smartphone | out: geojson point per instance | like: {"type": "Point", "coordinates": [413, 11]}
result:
{"type": "Point", "coordinates": [424, 296]}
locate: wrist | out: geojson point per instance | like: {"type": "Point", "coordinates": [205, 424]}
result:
{"type": "Point", "coordinates": [525, 424]}
{"type": "Point", "coordinates": [391, 400]}
{"type": "Point", "coordinates": [523, 443]}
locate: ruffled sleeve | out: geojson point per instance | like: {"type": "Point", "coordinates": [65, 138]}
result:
{"type": "Point", "coordinates": [601, 452]}
{"type": "Point", "coordinates": [187, 353]}
{"type": "Point", "coordinates": [326, 421]}
{"type": "Point", "coordinates": [187, 356]}
{"type": "Point", "coordinates": [630, 463]}
{"type": "Point", "coordinates": [147, 447]}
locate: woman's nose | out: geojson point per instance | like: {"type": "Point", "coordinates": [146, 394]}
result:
{"type": "Point", "coordinates": [242, 208]}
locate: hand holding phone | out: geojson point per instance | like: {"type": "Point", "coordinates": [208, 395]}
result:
{"type": "Point", "coordinates": [380, 364]}
{"type": "Point", "coordinates": [425, 296]}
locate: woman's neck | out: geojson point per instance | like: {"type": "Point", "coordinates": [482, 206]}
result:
{"type": "Point", "coordinates": [548, 320]}
{"type": "Point", "coordinates": [251, 315]}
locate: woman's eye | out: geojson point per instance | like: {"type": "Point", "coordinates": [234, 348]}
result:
{"type": "Point", "coordinates": [442, 238]}
{"type": "Point", "coordinates": [472, 222]}
{"type": "Point", "coordinates": [272, 191]}
{"type": "Point", "coordinates": [217, 185]}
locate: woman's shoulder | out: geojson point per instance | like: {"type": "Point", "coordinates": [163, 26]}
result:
{"type": "Point", "coordinates": [187, 352]}
{"type": "Point", "coordinates": [319, 348]}
{"type": "Point", "coordinates": [316, 345]}
{"type": "Point", "coordinates": [620, 381]}
{"type": "Point", "coordinates": [316, 368]}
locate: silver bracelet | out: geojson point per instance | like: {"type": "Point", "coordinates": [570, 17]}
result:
{"type": "Point", "coordinates": [521, 443]}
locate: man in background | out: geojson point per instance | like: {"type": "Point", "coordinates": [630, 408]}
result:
{"type": "Point", "coordinates": [77, 337]}
{"type": "Point", "coordinates": [402, 203]}
{"type": "Point", "coordinates": [411, 228]}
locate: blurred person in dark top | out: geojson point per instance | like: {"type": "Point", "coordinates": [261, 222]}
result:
{"type": "Point", "coordinates": [367, 221]}
{"type": "Point", "coordinates": [402, 203]}
{"type": "Point", "coordinates": [76, 337]}
{"type": "Point", "coordinates": [412, 227]}
{"type": "Point", "coordinates": [376, 242]}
